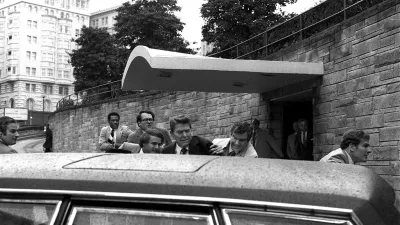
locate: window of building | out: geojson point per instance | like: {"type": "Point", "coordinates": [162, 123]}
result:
{"type": "Point", "coordinates": [78, 3]}
{"type": "Point", "coordinates": [10, 37]}
{"type": "Point", "coordinates": [67, 15]}
{"type": "Point", "coordinates": [47, 106]}
{"type": "Point", "coordinates": [12, 104]}
{"type": "Point", "coordinates": [28, 55]}
{"type": "Point", "coordinates": [29, 39]}
{"type": "Point", "coordinates": [33, 71]}
{"type": "Point", "coordinates": [34, 24]}
{"type": "Point", "coordinates": [62, 14]}
{"type": "Point", "coordinates": [50, 72]}
{"type": "Point", "coordinates": [76, 32]}
{"type": "Point", "coordinates": [77, 18]}
{"type": "Point", "coordinates": [29, 23]}
{"type": "Point", "coordinates": [63, 90]}
{"type": "Point", "coordinates": [34, 40]}
{"type": "Point", "coordinates": [66, 74]}
{"type": "Point", "coordinates": [83, 3]}
{"type": "Point", "coordinates": [30, 8]}
{"type": "Point", "coordinates": [106, 20]}
{"type": "Point", "coordinates": [46, 1]}
{"type": "Point", "coordinates": [102, 21]}
{"type": "Point", "coordinates": [33, 55]}
{"type": "Point", "coordinates": [60, 73]}
{"type": "Point", "coordinates": [14, 70]}
{"type": "Point", "coordinates": [36, 9]}
{"type": "Point", "coordinates": [28, 71]}
{"type": "Point", "coordinates": [9, 69]}
{"type": "Point", "coordinates": [29, 104]}
{"type": "Point", "coordinates": [44, 72]}
{"type": "Point", "coordinates": [66, 29]}
{"type": "Point", "coordinates": [51, 2]}
{"type": "Point", "coordinates": [52, 12]}
{"type": "Point", "coordinates": [27, 87]}
{"type": "Point", "coordinates": [46, 11]}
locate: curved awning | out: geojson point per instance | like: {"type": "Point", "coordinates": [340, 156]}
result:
{"type": "Point", "coordinates": [151, 69]}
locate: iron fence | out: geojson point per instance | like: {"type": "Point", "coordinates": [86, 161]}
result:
{"type": "Point", "coordinates": [103, 92]}
{"type": "Point", "coordinates": [313, 21]}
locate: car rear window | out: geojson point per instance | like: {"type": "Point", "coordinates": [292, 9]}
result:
{"type": "Point", "coordinates": [112, 216]}
{"type": "Point", "coordinates": [247, 217]}
{"type": "Point", "coordinates": [21, 212]}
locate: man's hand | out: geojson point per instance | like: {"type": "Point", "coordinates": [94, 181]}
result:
{"type": "Point", "coordinates": [216, 150]}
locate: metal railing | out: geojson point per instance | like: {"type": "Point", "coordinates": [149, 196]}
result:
{"type": "Point", "coordinates": [103, 92]}
{"type": "Point", "coordinates": [312, 21]}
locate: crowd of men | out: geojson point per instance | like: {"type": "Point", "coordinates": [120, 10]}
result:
{"type": "Point", "coordinates": [244, 140]}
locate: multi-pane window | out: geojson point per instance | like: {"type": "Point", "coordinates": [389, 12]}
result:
{"type": "Point", "coordinates": [50, 72]}
{"type": "Point", "coordinates": [47, 89]}
{"type": "Point", "coordinates": [29, 39]}
{"type": "Point", "coordinates": [28, 55]}
{"type": "Point", "coordinates": [66, 29]}
{"type": "Point", "coordinates": [47, 105]}
{"type": "Point", "coordinates": [102, 21]}
{"type": "Point", "coordinates": [34, 24]}
{"type": "Point", "coordinates": [33, 55]}
{"type": "Point", "coordinates": [106, 20]}
{"type": "Point", "coordinates": [78, 3]}
{"type": "Point", "coordinates": [29, 23]}
{"type": "Point", "coordinates": [28, 71]}
{"type": "Point", "coordinates": [33, 71]}
{"type": "Point", "coordinates": [29, 104]}
{"type": "Point", "coordinates": [66, 74]}
{"type": "Point", "coordinates": [60, 73]}
{"type": "Point", "coordinates": [63, 90]}
{"type": "Point", "coordinates": [34, 40]}
{"type": "Point", "coordinates": [14, 70]}
{"type": "Point", "coordinates": [44, 72]}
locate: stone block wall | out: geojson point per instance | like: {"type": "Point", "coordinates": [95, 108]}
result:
{"type": "Point", "coordinates": [360, 88]}
{"type": "Point", "coordinates": [77, 130]}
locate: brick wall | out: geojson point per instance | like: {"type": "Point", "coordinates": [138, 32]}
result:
{"type": "Point", "coordinates": [77, 130]}
{"type": "Point", "coordinates": [361, 84]}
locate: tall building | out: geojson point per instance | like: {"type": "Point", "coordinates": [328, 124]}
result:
{"type": "Point", "coordinates": [104, 19]}
{"type": "Point", "coordinates": [35, 39]}
{"type": "Point", "coordinates": [205, 48]}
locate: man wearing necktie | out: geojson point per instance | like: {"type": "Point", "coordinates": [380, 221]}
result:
{"type": "Point", "coordinates": [185, 143]}
{"type": "Point", "coordinates": [264, 143]}
{"type": "Point", "coordinates": [304, 140]}
{"type": "Point", "coordinates": [114, 135]}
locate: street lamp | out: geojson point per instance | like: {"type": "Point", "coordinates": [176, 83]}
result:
{"type": "Point", "coordinates": [43, 107]}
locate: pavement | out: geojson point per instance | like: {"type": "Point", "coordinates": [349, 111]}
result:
{"type": "Point", "coordinates": [33, 145]}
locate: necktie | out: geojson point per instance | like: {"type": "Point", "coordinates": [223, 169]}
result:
{"type": "Point", "coordinates": [112, 135]}
{"type": "Point", "coordinates": [232, 153]}
{"type": "Point", "coordinates": [184, 151]}
{"type": "Point", "coordinates": [304, 138]}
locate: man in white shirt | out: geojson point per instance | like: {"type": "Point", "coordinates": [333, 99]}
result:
{"type": "Point", "coordinates": [114, 135]}
{"type": "Point", "coordinates": [354, 148]}
{"type": "Point", "coordinates": [238, 144]}
{"type": "Point", "coordinates": [151, 141]}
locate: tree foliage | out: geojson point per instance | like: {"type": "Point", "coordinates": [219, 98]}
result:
{"type": "Point", "coordinates": [98, 59]}
{"type": "Point", "coordinates": [151, 23]}
{"type": "Point", "coordinates": [229, 22]}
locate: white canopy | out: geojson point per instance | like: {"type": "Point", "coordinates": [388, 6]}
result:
{"type": "Point", "coordinates": [152, 69]}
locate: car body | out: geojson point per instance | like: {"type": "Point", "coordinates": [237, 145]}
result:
{"type": "Point", "coordinates": [96, 188]}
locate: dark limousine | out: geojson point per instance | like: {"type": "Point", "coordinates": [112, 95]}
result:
{"type": "Point", "coordinates": [138, 189]}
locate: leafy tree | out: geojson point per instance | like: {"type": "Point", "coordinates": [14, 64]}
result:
{"type": "Point", "coordinates": [229, 22]}
{"type": "Point", "coordinates": [98, 59]}
{"type": "Point", "coordinates": [151, 23]}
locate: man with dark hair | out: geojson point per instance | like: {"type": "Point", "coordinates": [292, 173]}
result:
{"type": "Point", "coordinates": [185, 142]}
{"type": "Point", "coordinates": [113, 136]}
{"type": "Point", "coordinates": [145, 120]}
{"type": "Point", "coordinates": [264, 143]}
{"type": "Point", "coordinates": [238, 144]}
{"type": "Point", "coordinates": [354, 148]}
{"type": "Point", "coordinates": [8, 134]}
{"type": "Point", "coordinates": [151, 141]}
{"type": "Point", "coordinates": [304, 141]}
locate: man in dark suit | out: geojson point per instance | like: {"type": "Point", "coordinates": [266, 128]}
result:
{"type": "Point", "coordinates": [304, 141]}
{"type": "Point", "coordinates": [185, 143]}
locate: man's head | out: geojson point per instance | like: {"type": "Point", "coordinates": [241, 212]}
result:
{"type": "Point", "coordinates": [295, 127]}
{"type": "Point", "coordinates": [181, 130]}
{"type": "Point", "coordinates": [303, 125]}
{"type": "Point", "coordinates": [9, 130]}
{"type": "Point", "coordinates": [151, 141]}
{"type": "Point", "coordinates": [356, 143]}
{"type": "Point", "coordinates": [240, 136]}
{"type": "Point", "coordinates": [256, 124]}
{"type": "Point", "coordinates": [145, 119]}
{"type": "Point", "coordinates": [113, 120]}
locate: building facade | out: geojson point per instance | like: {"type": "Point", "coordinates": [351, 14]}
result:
{"type": "Point", "coordinates": [35, 39]}
{"type": "Point", "coordinates": [104, 19]}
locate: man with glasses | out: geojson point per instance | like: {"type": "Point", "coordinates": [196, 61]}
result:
{"type": "Point", "coordinates": [238, 144]}
{"type": "Point", "coordinates": [186, 143]}
{"type": "Point", "coordinates": [145, 120]}
{"type": "Point", "coordinates": [8, 134]}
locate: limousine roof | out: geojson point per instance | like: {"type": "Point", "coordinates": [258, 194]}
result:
{"type": "Point", "coordinates": [269, 180]}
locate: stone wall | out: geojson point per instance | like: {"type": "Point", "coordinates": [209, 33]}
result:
{"type": "Point", "coordinates": [77, 130]}
{"type": "Point", "coordinates": [361, 84]}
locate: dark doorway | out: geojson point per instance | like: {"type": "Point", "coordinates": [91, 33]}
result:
{"type": "Point", "coordinates": [292, 111]}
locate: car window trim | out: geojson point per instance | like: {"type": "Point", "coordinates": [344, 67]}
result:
{"type": "Point", "coordinates": [186, 200]}
{"type": "Point", "coordinates": [286, 215]}
{"type": "Point", "coordinates": [139, 212]}
{"type": "Point", "coordinates": [55, 213]}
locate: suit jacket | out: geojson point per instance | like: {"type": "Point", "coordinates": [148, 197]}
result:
{"type": "Point", "coordinates": [4, 149]}
{"type": "Point", "coordinates": [225, 144]}
{"type": "Point", "coordinates": [266, 145]}
{"type": "Point", "coordinates": [122, 133]}
{"type": "Point", "coordinates": [291, 148]}
{"type": "Point", "coordinates": [135, 136]}
{"type": "Point", "coordinates": [305, 151]}
{"type": "Point", "coordinates": [197, 146]}
{"type": "Point", "coordinates": [338, 156]}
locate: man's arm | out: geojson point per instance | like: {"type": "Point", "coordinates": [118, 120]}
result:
{"type": "Point", "coordinates": [103, 140]}
{"type": "Point", "coordinates": [274, 145]}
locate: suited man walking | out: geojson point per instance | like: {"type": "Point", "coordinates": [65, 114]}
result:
{"type": "Point", "coordinates": [264, 143]}
{"type": "Point", "coordinates": [185, 142]}
{"type": "Point", "coordinates": [113, 136]}
{"type": "Point", "coordinates": [304, 141]}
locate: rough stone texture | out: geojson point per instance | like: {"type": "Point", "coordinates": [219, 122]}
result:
{"type": "Point", "coordinates": [211, 114]}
